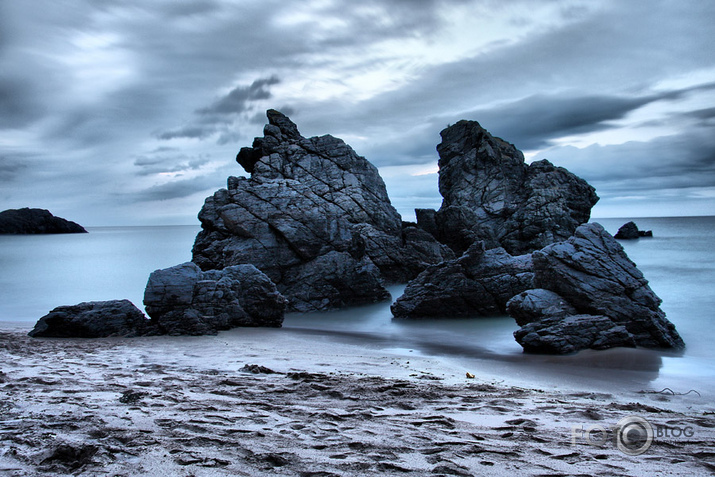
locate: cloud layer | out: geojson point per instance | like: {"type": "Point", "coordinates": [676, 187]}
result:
{"type": "Point", "coordinates": [132, 112]}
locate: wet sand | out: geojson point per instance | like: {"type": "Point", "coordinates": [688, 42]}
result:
{"type": "Point", "coordinates": [275, 402]}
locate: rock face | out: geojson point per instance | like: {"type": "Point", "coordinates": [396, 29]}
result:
{"type": "Point", "coordinates": [183, 300]}
{"type": "Point", "coordinates": [35, 221]}
{"type": "Point", "coordinates": [537, 304]}
{"type": "Point", "coordinates": [315, 217]}
{"type": "Point", "coordinates": [573, 333]}
{"type": "Point", "coordinates": [96, 319]}
{"type": "Point", "coordinates": [629, 231]}
{"type": "Point", "coordinates": [592, 275]}
{"type": "Point", "coordinates": [479, 283]}
{"type": "Point", "coordinates": [490, 194]}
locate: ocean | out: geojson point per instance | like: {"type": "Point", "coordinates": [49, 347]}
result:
{"type": "Point", "coordinates": [38, 273]}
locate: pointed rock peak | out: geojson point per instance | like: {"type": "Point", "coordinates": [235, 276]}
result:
{"type": "Point", "coordinates": [283, 122]}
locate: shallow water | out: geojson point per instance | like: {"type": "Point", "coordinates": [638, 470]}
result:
{"type": "Point", "coordinates": [38, 273]}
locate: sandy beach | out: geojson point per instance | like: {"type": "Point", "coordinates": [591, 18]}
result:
{"type": "Point", "coordinates": [275, 402]}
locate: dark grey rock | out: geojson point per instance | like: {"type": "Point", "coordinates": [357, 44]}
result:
{"type": "Point", "coordinates": [563, 335]}
{"type": "Point", "coordinates": [630, 231]}
{"type": "Point", "coordinates": [96, 319]}
{"type": "Point", "coordinates": [184, 300]}
{"type": "Point", "coordinates": [490, 194]}
{"type": "Point", "coordinates": [593, 274]}
{"type": "Point", "coordinates": [35, 221]}
{"type": "Point", "coordinates": [479, 283]}
{"type": "Point", "coordinates": [537, 304]}
{"type": "Point", "coordinates": [307, 198]}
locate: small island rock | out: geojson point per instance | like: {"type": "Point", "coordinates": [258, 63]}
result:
{"type": "Point", "coordinates": [35, 221]}
{"type": "Point", "coordinates": [630, 231]}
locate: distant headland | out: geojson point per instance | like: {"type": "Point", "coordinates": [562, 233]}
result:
{"type": "Point", "coordinates": [36, 221]}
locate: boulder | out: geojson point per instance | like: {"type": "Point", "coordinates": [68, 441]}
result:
{"type": "Point", "coordinates": [490, 194]}
{"type": "Point", "coordinates": [479, 283]}
{"type": "Point", "coordinates": [184, 300]}
{"type": "Point", "coordinates": [36, 221]}
{"type": "Point", "coordinates": [310, 203]}
{"type": "Point", "coordinates": [629, 231]}
{"type": "Point", "coordinates": [96, 319]}
{"type": "Point", "coordinates": [592, 274]}
{"type": "Point", "coordinates": [535, 305]}
{"type": "Point", "coordinates": [568, 334]}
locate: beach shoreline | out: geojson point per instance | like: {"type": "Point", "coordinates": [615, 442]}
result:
{"type": "Point", "coordinates": [209, 406]}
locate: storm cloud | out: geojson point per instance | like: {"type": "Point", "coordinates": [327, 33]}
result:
{"type": "Point", "coordinates": [133, 111]}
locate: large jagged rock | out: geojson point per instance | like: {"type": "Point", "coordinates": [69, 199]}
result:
{"type": "Point", "coordinates": [479, 283]}
{"type": "Point", "coordinates": [591, 273]}
{"type": "Point", "coordinates": [36, 221]}
{"type": "Point", "coordinates": [184, 300]}
{"type": "Point", "coordinates": [490, 194]}
{"type": "Point", "coordinates": [96, 319]}
{"type": "Point", "coordinates": [311, 207]}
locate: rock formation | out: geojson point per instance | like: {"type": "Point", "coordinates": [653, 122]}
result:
{"type": "Point", "coordinates": [599, 299]}
{"type": "Point", "coordinates": [479, 283]}
{"type": "Point", "coordinates": [629, 231]}
{"type": "Point", "coordinates": [96, 319]}
{"type": "Point", "coordinates": [573, 333]}
{"type": "Point", "coordinates": [490, 194]}
{"type": "Point", "coordinates": [315, 217]}
{"type": "Point", "coordinates": [35, 221]}
{"type": "Point", "coordinates": [183, 300]}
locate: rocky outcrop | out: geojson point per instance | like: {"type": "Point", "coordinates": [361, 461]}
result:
{"type": "Point", "coordinates": [490, 194]}
{"type": "Point", "coordinates": [183, 300]}
{"type": "Point", "coordinates": [96, 319]}
{"type": "Point", "coordinates": [591, 277]}
{"type": "Point", "coordinates": [479, 283]}
{"type": "Point", "coordinates": [315, 217]}
{"type": "Point", "coordinates": [629, 231]}
{"type": "Point", "coordinates": [35, 221]}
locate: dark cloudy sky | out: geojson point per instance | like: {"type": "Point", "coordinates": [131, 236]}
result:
{"type": "Point", "coordinates": [132, 111]}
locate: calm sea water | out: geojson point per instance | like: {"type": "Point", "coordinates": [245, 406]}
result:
{"type": "Point", "coordinates": [38, 273]}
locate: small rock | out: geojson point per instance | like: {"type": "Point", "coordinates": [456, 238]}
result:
{"type": "Point", "coordinates": [131, 397]}
{"type": "Point", "coordinates": [629, 231]}
{"type": "Point", "coordinates": [96, 319]}
{"type": "Point", "coordinates": [256, 369]}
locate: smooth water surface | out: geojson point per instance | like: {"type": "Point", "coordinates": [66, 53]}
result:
{"type": "Point", "coordinates": [38, 273]}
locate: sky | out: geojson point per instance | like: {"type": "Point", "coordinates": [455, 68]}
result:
{"type": "Point", "coordinates": [131, 112]}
